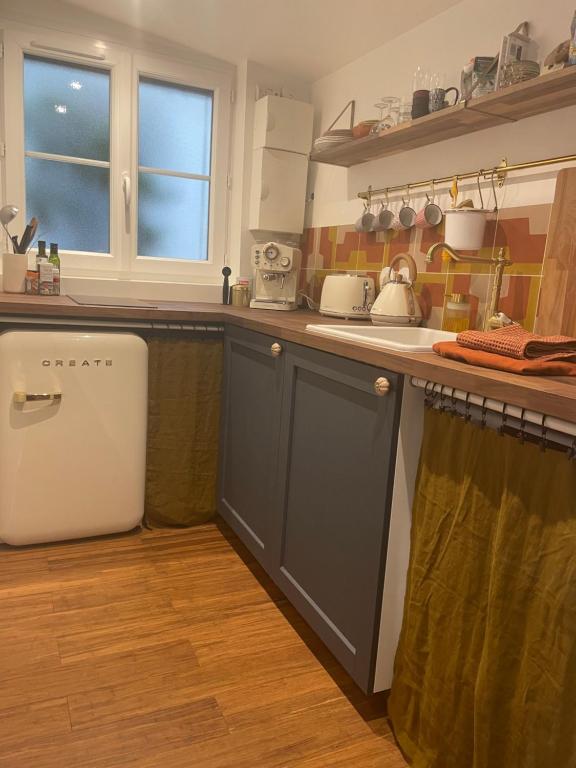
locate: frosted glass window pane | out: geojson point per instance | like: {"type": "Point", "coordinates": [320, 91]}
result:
{"type": "Point", "coordinates": [175, 126]}
{"type": "Point", "coordinates": [66, 109]}
{"type": "Point", "coordinates": [173, 217]}
{"type": "Point", "coordinates": [71, 202]}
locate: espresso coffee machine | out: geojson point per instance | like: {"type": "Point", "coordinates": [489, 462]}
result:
{"type": "Point", "coordinates": [276, 270]}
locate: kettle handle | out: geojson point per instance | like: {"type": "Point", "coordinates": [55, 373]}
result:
{"type": "Point", "coordinates": [412, 269]}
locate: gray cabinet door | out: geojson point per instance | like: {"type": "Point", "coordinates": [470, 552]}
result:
{"type": "Point", "coordinates": [337, 453]}
{"type": "Point", "coordinates": [249, 437]}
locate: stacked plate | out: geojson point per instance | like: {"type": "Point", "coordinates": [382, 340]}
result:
{"type": "Point", "coordinates": [518, 71]}
{"type": "Point", "coordinates": [333, 138]}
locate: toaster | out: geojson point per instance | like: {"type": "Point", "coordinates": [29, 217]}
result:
{"type": "Point", "coordinates": [347, 296]}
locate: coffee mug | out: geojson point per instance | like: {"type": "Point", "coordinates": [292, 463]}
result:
{"type": "Point", "coordinates": [366, 221]}
{"type": "Point", "coordinates": [405, 218]}
{"type": "Point", "coordinates": [420, 103]}
{"type": "Point", "coordinates": [429, 216]}
{"type": "Point", "coordinates": [384, 219]}
{"type": "Point", "coordinates": [437, 98]}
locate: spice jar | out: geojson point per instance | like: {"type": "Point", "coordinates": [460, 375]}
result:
{"type": "Point", "coordinates": [457, 313]}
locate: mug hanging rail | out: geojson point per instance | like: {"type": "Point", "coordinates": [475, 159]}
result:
{"type": "Point", "coordinates": [499, 173]}
{"type": "Point", "coordinates": [532, 425]}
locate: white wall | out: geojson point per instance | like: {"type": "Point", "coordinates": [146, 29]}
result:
{"type": "Point", "coordinates": [444, 43]}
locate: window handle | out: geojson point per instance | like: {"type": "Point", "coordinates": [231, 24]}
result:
{"type": "Point", "coordinates": [127, 188]}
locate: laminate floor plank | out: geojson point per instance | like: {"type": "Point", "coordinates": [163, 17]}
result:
{"type": "Point", "coordinates": [170, 649]}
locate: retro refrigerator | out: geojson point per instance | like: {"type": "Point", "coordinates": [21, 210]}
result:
{"type": "Point", "coordinates": [73, 409]}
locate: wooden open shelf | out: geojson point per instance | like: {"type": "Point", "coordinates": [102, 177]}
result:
{"type": "Point", "coordinates": [533, 97]}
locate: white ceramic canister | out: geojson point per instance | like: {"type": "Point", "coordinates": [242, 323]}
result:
{"type": "Point", "coordinates": [464, 228]}
{"type": "Point", "coordinates": [14, 267]}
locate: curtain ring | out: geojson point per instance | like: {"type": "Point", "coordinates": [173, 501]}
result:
{"type": "Point", "coordinates": [504, 419]}
{"type": "Point", "coordinates": [442, 407]}
{"type": "Point", "coordinates": [522, 433]}
{"type": "Point", "coordinates": [429, 394]}
{"type": "Point", "coordinates": [543, 433]}
{"type": "Point", "coordinates": [480, 189]}
{"type": "Point", "coordinates": [467, 406]}
{"type": "Point", "coordinates": [484, 413]}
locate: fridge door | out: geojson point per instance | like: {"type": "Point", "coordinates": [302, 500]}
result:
{"type": "Point", "coordinates": [72, 467]}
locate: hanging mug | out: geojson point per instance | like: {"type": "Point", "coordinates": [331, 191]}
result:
{"type": "Point", "coordinates": [405, 218]}
{"type": "Point", "coordinates": [366, 221]}
{"type": "Point", "coordinates": [429, 216]}
{"type": "Point", "coordinates": [384, 219]}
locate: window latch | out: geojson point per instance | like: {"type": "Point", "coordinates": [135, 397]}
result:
{"type": "Point", "coordinates": [127, 188]}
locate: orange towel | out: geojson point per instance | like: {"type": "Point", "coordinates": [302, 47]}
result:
{"type": "Point", "coordinates": [541, 367]}
{"type": "Point", "coordinates": [515, 341]}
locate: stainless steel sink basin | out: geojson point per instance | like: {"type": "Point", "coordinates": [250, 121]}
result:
{"type": "Point", "coordinates": [399, 338]}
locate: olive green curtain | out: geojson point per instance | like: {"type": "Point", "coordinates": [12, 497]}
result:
{"type": "Point", "coordinates": [485, 673]}
{"type": "Point", "coordinates": [184, 385]}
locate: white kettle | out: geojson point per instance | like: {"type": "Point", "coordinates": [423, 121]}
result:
{"type": "Point", "coordinates": [397, 303]}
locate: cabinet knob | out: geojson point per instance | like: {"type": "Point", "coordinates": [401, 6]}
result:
{"type": "Point", "coordinates": [276, 349]}
{"type": "Point", "coordinates": [381, 386]}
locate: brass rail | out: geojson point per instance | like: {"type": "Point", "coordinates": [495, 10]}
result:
{"type": "Point", "coordinates": [498, 173]}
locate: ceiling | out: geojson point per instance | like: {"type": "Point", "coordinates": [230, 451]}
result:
{"type": "Point", "coordinates": [307, 38]}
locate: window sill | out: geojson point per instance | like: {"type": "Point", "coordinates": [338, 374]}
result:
{"type": "Point", "coordinates": [142, 289]}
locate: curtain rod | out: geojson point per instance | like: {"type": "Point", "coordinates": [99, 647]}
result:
{"type": "Point", "coordinates": [498, 173]}
{"type": "Point", "coordinates": [549, 423]}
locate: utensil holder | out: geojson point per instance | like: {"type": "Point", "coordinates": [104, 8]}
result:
{"type": "Point", "coordinates": [14, 267]}
{"type": "Point", "coordinates": [464, 228]}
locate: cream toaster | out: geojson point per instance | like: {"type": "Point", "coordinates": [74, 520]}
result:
{"type": "Point", "coordinates": [347, 296]}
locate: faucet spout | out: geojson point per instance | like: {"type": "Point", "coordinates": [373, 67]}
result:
{"type": "Point", "coordinates": [493, 318]}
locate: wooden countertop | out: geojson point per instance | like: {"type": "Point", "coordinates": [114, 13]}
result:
{"type": "Point", "coordinates": [553, 396]}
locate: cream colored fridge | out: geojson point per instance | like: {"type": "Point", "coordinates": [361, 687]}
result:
{"type": "Point", "coordinates": [73, 411]}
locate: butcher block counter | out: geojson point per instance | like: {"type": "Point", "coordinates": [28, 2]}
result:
{"type": "Point", "coordinates": [554, 396]}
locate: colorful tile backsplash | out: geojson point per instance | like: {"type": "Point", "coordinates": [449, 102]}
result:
{"type": "Point", "coordinates": [520, 231]}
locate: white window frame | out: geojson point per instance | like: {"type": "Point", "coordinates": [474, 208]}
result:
{"type": "Point", "coordinates": [125, 67]}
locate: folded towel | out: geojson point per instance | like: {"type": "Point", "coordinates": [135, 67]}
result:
{"type": "Point", "coordinates": [540, 367]}
{"type": "Point", "coordinates": [515, 341]}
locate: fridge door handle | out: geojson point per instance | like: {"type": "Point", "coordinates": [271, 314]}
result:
{"type": "Point", "coordinates": [27, 397]}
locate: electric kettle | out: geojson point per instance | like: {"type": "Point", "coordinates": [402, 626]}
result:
{"type": "Point", "coordinates": [397, 303]}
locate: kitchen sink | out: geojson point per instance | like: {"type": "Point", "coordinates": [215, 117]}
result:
{"type": "Point", "coordinates": [399, 338]}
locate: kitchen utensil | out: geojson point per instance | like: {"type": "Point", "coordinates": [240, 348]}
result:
{"type": "Point", "coordinates": [437, 98]}
{"type": "Point", "coordinates": [454, 191]}
{"type": "Point", "coordinates": [397, 303]}
{"type": "Point", "coordinates": [28, 235]}
{"type": "Point", "coordinates": [347, 296]}
{"type": "Point", "coordinates": [465, 228]}
{"type": "Point", "coordinates": [226, 271]}
{"type": "Point", "coordinates": [7, 214]}
{"type": "Point", "coordinates": [366, 221]}
{"type": "Point", "coordinates": [429, 216]}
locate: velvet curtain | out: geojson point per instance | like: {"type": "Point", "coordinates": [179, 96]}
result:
{"type": "Point", "coordinates": [184, 380]}
{"type": "Point", "coordinates": [485, 673]}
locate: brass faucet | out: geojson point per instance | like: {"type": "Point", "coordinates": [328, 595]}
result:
{"type": "Point", "coordinates": [493, 318]}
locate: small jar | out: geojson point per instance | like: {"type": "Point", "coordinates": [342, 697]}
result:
{"type": "Point", "coordinates": [457, 313]}
{"type": "Point", "coordinates": [241, 293]}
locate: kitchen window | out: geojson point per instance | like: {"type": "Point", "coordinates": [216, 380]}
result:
{"type": "Point", "coordinates": [123, 158]}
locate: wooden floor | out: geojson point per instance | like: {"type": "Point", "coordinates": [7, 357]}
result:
{"type": "Point", "coordinates": [169, 649]}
